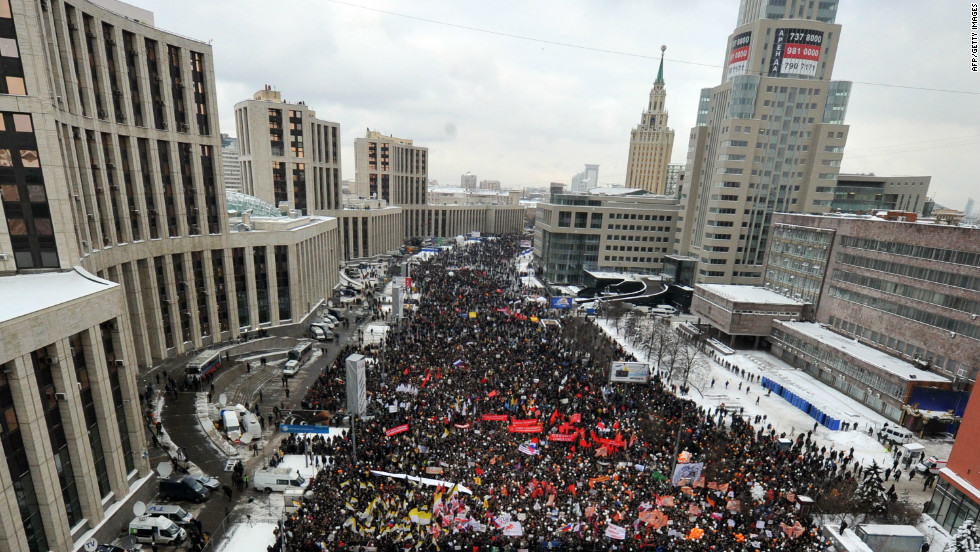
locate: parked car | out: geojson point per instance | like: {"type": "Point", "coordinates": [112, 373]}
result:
{"type": "Point", "coordinates": [183, 488]}
{"type": "Point", "coordinates": [291, 368]}
{"type": "Point", "coordinates": [896, 434]}
{"type": "Point", "coordinates": [209, 482]}
{"type": "Point", "coordinates": [930, 465]}
{"type": "Point", "coordinates": [336, 313]}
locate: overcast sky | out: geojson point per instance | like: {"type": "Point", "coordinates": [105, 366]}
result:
{"type": "Point", "coordinates": [531, 112]}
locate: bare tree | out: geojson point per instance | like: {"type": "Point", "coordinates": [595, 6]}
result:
{"type": "Point", "coordinates": [631, 327]}
{"type": "Point", "coordinates": [692, 364]}
{"type": "Point", "coordinates": [615, 311]}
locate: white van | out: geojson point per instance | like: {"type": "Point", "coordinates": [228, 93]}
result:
{"type": "Point", "coordinates": [155, 529]}
{"type": "Point", "coordinates": [896, 434]}
{"type": "Point", "coordinates": [252, 428]}
{"type": "Point", "coordinates": [172, 512]}
{"type": "Point", "coordinates": [278, 479]}
{"type": "Point", "coordinates": [663, 310]}
{"type": "Point", "coordinates": [316, 332]}
{"type": "Point", "coordinates": [233, 428]}
{"type": "Point", "coordinates": [290, 369]}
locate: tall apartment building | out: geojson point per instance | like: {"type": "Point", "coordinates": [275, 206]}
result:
{"type": "Point", "coordinates": [589, 178]}
{"type": "Point", "coordinates": [287, 154]}
{"type": "Point", "coordinates": [467, 180]}
{"type": "Point", "coordinates": [651, 141]}
{"type": "Point", "coordinates": [867, 193]}
{"type": "Point", "coordinates": [115, 252]}
{"type": "Point", "coordinates": [231, 167]}
{"type": "Point", "coordinates": [395, 170]}
{"type": "Point", "coordinates": [613, 229]}
{"type": "Point", "coordinates": [768, 139]}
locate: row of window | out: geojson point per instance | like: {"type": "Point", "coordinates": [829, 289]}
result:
{"type": "Point", "coordinates": [934, 275]}
{"type": "Point", "coordinates": [945, 300]}
{"type": "Point", "coordinates": [832, 359]}
{"type": "Point", "coordinates": [940, 254]}
{"type": "Point", "coordinates": [903, 348]}
{"type": "Point", "coordinates": [968, 329]}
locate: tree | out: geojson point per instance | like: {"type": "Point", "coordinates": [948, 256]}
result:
{"type": "Point", "coordinates": [631, 327]}
{"type": "Point", "coordinates": [870, 495]}
{"type": "Point", "coordinates": [692, 364]}
{"type": "Point", "coordinates": [965, 539]}
{"type": "Point", "coordinates": [614, 313]}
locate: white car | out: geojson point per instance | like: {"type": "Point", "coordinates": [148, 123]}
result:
{"type": "Point", "coordinates": [290, 369]}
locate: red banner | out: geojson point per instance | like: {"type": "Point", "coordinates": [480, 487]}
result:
{"type": "Point", "coordinates": [563, 438]}
{"type": "Point", "coordinates": [531, 421]}
{"type": "Point", "coordinates": [526, 428]}
{"type": "Point", "coordinates": [495, 417]}
{"type": "Point", "coordinates": [396, 430]}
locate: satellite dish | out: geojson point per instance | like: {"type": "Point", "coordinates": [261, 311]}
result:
{"type": "Point", "coordinates": [164, 469]}
{"type": "Point", "coordinates": [139, 508]}
{"type": "Point", "coordinates": [91, 545]}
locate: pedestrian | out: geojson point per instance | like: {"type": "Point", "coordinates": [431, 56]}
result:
{"type": "Point", "coordinates": [287, 392]}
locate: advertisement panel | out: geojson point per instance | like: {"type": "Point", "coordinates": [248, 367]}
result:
{"type": "Point", "coordinates": [795, 53]}
{"type": "Point", "coordinates": [561, 302]}
{"type": "Point", "coordinates": [629, 372]}
{"type": "Point", "coordinates": [738, 56]}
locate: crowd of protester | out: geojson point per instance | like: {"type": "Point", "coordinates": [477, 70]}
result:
{"type": "Point", "coordinates": [528, 445]}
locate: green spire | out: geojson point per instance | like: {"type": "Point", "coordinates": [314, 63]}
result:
{"type": "Point", "coordinates": [660, 72]}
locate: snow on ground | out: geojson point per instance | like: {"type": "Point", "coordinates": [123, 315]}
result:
{"type": "Point", "coordinates": [785, 417]}
{"type": "Point", "coordinates": [788, 419]}
{"type": "Point", "coordinates": [250, 537]}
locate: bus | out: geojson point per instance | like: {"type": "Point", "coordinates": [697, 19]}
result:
{"type": "Point", "coordinates": [203, 364]}
{"type": "Point", "coordinates": [301, 353]}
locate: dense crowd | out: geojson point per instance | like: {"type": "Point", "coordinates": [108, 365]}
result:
{"type": "Point", "coordinates": [528, 445]}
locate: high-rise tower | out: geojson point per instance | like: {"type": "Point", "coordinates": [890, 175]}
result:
{"type": "Point", "coordinates": [651, 141]}
{"type": "Point", "coordinates": [768, 139]}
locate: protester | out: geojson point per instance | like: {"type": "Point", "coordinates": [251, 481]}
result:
{"type": "Point", "coordinates": [565, 457]}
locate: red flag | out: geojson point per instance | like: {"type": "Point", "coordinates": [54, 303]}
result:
{"type": "Point", "coordinates": [575, 418]}
{"type": "Point", "coordinates": [492, 394]}
{"type": "Point", "coordinates": [426, 380]}
{"type": "Point", "coordinates": [553, 415]}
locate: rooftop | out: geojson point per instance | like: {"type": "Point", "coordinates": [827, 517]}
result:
{"type": "Point", "coordinates": [749, 294]}
{"type": "Point", "coordinates": [872, 356]}
{"type": "Point", "coordinates": [24, 294]}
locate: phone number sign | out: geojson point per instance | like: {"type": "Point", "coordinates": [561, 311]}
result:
{"type": "Point", "coordinates": [795, 53]}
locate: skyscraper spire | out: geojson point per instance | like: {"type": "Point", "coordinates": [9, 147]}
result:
{"type": "Point", "coordinates": [660, 72]}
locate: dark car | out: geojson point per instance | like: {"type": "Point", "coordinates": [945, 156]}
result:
{"type": "Point", "coordinates": [109, 548]}
{"type": "Point", "coordinates": [183, 488]}
{"type": "Point", "coordinates": [339, 314]}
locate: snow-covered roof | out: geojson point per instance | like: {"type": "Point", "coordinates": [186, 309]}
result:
{"type": "Point", "coordinates": [952, 476]}
{"type": "Point", "coordinates": [896, 530]}
{"type": "Point", "coordinates": [749, 294]}
{"type": "Point", "coordinates": [879, 359]}
{"type": "Point", "coordinates": [27, 293]}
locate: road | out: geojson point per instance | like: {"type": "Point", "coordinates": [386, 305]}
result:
{"type": "Point", "coordinates": [180, 421]}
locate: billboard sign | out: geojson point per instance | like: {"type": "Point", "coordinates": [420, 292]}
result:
{"type": "Point", "coordinates": [356, 384]}
{"type": "Point", "coordinates": [685, 474]}
{"type": "Point", "coordinates": [738, 56]}
{"type": "Point", "coordinates": [795, 53]}
{"type": "Point", "coordinates": [629, 372]}
{"type": "Point", "coordinates": [561, 302]}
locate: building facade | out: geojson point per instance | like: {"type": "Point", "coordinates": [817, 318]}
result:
{"type": "Point", "coordinates": [287, 154]}
{"type": "Point", "coordinates": [231, 166]}
{"type": "Point", "coordinates": [909, 289]}
{"type": "Point", "coordinates": [463, 196]}
{"type": "Point", "coordinates": [611, 229]}
{"type": "Point", "coordinates": [768, 139]}
{"type": "Point", "coordinates": [369, 227]}
{"type": "Point", "coordinates": [467, 180]}
{"type": "Point", "coordinates": [867, 193]}
{"type": "Point", "coordinates": [115, 252]}
{"type": "Point", "coordinates": [957, 494]}
{"type": "Point", "coordinates": [395, 170]}
{"type": "Point", "coordinates": [651, 142]}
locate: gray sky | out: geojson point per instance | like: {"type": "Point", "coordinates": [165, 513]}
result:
{"type": "Point", "coordinates": [529, 112]}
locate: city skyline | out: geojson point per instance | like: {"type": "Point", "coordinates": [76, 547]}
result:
{"type": "Point", "coordinates": [514, 118]}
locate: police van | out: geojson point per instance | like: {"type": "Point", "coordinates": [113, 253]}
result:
{"type": "Point", "coordinates": [278, 479]}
